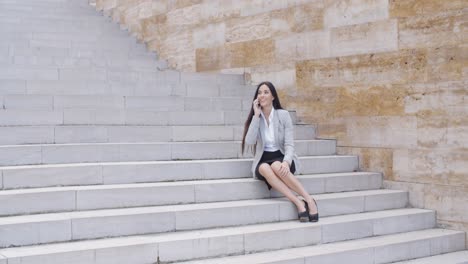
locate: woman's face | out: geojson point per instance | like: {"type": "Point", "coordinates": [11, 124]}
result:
{"type": "Point", "coordinates": [264, 96]}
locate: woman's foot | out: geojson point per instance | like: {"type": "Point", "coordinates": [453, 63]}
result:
{"type": "Point", "coordinates": [303, 212]}
{"type": "Point", "coordinates": [313, 214]}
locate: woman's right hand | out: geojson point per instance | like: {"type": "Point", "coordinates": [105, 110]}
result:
{"type": "Point", "coordinates": [257, 108]}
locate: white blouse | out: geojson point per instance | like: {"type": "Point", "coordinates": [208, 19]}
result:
{"type": "Point", "coordinates": [268, 133]}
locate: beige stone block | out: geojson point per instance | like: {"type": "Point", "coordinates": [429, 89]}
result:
{"type": "Point", "coordinates": [219, 11]}
{"type": "Point", "coordinates": [415, 191]}
{"type": "Point", "coordinates": [251, 53]}
{"type": "Point", "coordinates": [433, 131]}
{"type": "Point", "coordinates": [176, 44]}
{"type": "Point", "coordinates": [284, 79]}
{"type": "Point", "coordinates": [209, 59]}
{"type": "Point", "coordinates": [411, 8]}
{"type": "Point", "coordinates": [209, 35]}
{"type": "Point", "coordinates": [317, 104]}
{"type": "Point", "coordinates": [159, 7]}
{"type": "Point", "coordinates": [447, 63]}
{"type": "Point", "coordinates": [151, 27]}
{"type": "Point", "coordinates": [349, 12]}
{"type": "Point", "coordinates": [303, 46]}
{"type": "Point", "coordinates": [145, 9]}
{"type": "Point", "coordinates": [458, 137]}
{"type": "Point", "coordinates": [380, 36]}
{"type": "Point", "coordinates": [438, 98]}
{"type": "Point", "coordinates": [185, 16]}
{"type": "Point", "coordinates": [435, 30]}
{"type": "Point", "coordinates": [297, 19]}
{"type": "Point", "coordinates": [431, 166]}
{"type": "Point", "coordinates": [248, 28]}
{"type": "Point", "coordinates": [383, 100]}
{"type": "Point", "coordinates": [400, 67]}
{"type": "Point", "coordinates": [382, 131]}
{"type": "Point", "coordinates": [330, 129]}
{"type": "Point", "coordinates": [255, 7]}
{"type": "Point", "coordinates": [179, 4]}
{"type": "Point", "coordinates": [449, 201]}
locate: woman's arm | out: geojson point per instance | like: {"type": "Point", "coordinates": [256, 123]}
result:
{"type": "Point", "coordinates": [288, 138]}
{"type": "Point", "coordinates": [252, 133]}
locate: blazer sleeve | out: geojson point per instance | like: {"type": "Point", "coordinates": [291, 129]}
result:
{"type": "Point", "coordinates": [288, 138]}
{"type": "Point", "coordinates": [252, 133]}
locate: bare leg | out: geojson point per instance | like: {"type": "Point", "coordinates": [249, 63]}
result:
{"type": "Point", "coordinates": [292, 182]}
{"type": "Point", "coordinates": [266, 171]}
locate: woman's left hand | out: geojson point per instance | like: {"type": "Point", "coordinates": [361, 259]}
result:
{"type": "Point", "coordinates": [284, 169]}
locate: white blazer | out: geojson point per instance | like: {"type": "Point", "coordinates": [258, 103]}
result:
{"type": "Point", "coordinates": [284, 137]}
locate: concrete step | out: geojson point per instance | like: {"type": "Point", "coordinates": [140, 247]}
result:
{"type": "Point", "coordinates": [14, 135]}
{"type": "Point", "coordinates": [459, 257]}
{"type": "Point", "coordinates": [120, 102]}
{"type": "Point", "coordinates": [118, 64]}
{"type": "Point", "coordinates": [60, 227]}
{"type": "Point", "coordinates": [35, 117]}
{"type": "Point", "coordinates": [11, 155]}
{"type": "Point", "coordinates": [380, 249]}
{"type": "Point", "coordinates": [33, 176]}
{"type": "Point", "coordinates": [79, 198]}
{"type": "Point", "coordinates": [224, 241]}
{"type": "Point", "coordinates": [106, 68]}
{"type": "Point", "coordinates": [167, 83]}
{"type": "Point", "coordinates": [40, 52]}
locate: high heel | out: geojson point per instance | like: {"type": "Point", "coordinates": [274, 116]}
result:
{"type": "Point", "coordinates": [314, 217]}
{"type": "Point", "coordinates": [304, 216]}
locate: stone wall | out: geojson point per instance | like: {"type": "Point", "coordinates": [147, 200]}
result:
{"type": "Point", "coordinates": [387, 78]}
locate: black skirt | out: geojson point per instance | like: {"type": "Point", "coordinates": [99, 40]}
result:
{"type": "Point", "coordinates": [269, 158]}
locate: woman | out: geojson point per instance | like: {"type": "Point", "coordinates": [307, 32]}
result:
{"type": "Point", "coordinates": [269, 131]}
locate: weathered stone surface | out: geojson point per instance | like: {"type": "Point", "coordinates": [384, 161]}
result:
{"type": "Point", "coordinates": [188, 16]}
{"type": "Point", "coordinates": [303, 46]}
{"type": "Point", "coordinates": [210, 59]}
{"type": "Point", "coordinates": [282, 79]}
{"type": "Point", "coordinates": [250, 53]}
{"type": "Point", "coordinates": [370, 101]}
{"type": "Point", "coordinates": [178, 4]}
{"type": "Point", "coordinates": [248, 28]}
{"type": "Point", "coordinates": [382, 131]}
{"type": "Point", "coordinates": [302, 18]}
{"type": "Point", "coordinates": [450, 201]}
{"type": "Point", "coordinates": [209, 35]}
{"type": "Point", "coordinates": [249, 7]}
{"type": "Point", "coordinates": [448, 63]}
{"type": "Point", "coordinates": [381, 36]}
{"type": "Point", "coordinates": [409, 8]}
{"type": "Point", "coordinates": [219, 11]}
{"type": "Point", "coordinates": [385, 68]}
{"type": "Point", "coordinates": [349, 12]}
{"type": "Point", "coordinates": [432, 166]}
{"type": "Point", "coordinates": [441, 29]}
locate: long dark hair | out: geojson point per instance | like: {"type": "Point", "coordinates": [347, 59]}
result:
{"type": "Point", "coordinates": [276, 105]}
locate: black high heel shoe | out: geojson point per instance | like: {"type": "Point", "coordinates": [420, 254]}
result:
{"type": "Point", "coordinates": [304, 216]}
{"type": "Point", "coordinates": [314, 217]}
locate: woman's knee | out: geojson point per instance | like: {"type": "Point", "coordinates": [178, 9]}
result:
{"type": "Point", "coordinates": [263, 168]}
{"type": "Point", "coordinates": [275, 166]}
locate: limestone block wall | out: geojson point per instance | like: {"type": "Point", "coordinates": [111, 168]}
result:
{"type": "Point", "coordinates": [387, 78]}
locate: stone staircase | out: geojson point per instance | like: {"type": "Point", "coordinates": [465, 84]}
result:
{"type": "Point", "coordinates": [107, 156]}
